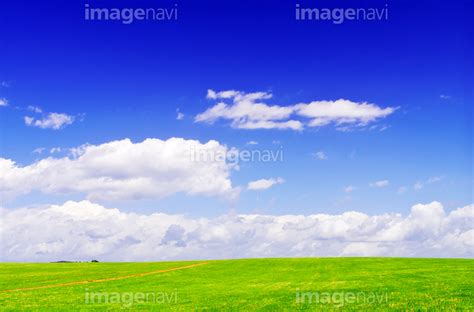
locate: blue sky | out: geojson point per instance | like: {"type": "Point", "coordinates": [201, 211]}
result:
{"type": "Point", "coordinates": [128, 81]}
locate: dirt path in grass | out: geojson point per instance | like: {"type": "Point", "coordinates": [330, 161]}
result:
{"type": "Point", "coordinates": [108, 279]}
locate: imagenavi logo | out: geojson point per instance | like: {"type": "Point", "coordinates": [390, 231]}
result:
{"type": "Point", "coordinates": [130, 15]}
{"type": "Point", "coordinates": [340, 15]}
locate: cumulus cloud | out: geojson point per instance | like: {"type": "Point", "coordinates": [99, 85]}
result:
{"type": "Point", "coordinates": [55, 150]}
{"type": "Point", "coordinates": [320, 155]}
{"type": "Point", "coordinates": [249, 111]}
{"type": "Point", "coordinates": [349, 189]}
{"type": "Point", "coordinates": [342, 112]}
{"type": "Point", "coordinates": [420, 184]}
{"type": "Point", "coordinates": [380, 184]}
{"type": "Point", "coordinates": [84, 231]}
{"type": "Point", "coordinates": [3, 102]}
{"type": "Point", "coordinates": [266, 124]}
{"type": "Point", "coordinates": [251, 143]}
{"type": "Point", "coordinates": [53, 121]}
{"type": "Point", "coordinates": [402, 190]}
{"type": "Point", "coordinates": [34, 109]}
{"type": "Point", "coordinates": [124, 170]}
{"type": "Point", "coordinates": [179, 115]}
{"type": "Point", "coordinates": [264, 184]}
{"type": "Point", "coordinates": [39, 150]}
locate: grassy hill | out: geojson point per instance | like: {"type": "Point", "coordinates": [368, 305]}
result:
{"type": "Point", "coordinates": [242, 285]}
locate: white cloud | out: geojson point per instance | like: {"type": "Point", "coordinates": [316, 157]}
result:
{"type": "Point", "coordinates": [251, 143]}
{"type": "Point", "coordinates": [380, 184]}
{"type": "Point", "coordinates": [3, 102]}
{"type": "Point", "coordinates": [84, 231]}
{"type": "Point", "coordinates": [402, 190]}
{"type": "Point", "coordinates": [39, 150]}
{"type": "Point", "coordinates": [53, 121]}
{"type": "Point", "coordinates": [349, 189]}
{"type": "Point", "coordinates": [320, 155]}
{"type": "Point", "coordinates": [265, 124]}
{"type": "Point", "coordinates": [342, 112]}
{"type": "Point", "coordinates": [124, 170]}
{"type": "Point", "coordinates": [55, 150]}
{"type": "Point", "coordinates": [213, 95]}
{"type": "Point", "coordinates": [264, 184]}
{"type": "Point", "coordinates": [76, 152]}
{"type": "Point", "coordinates": [34, 109]}
{"type": "Point", "coordinates": [249, 111]}
{"type": "Point", "coordinates": [179, 115]}
{"type": "Point", "coordinates": [434, 179]}
{"type": "Point", "coordinates": [4, 84]}
{"type": "Point", "coordinates": [445, 97]}
{"type": "Point", "coordinates": [420, 184]}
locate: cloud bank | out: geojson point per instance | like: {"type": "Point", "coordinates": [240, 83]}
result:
{"type": "Point", "coordinates": [380, 184]}
{"type": "Point", "coordinates": [249, 111]}
{"type": "Point", "coordinates": [53, 121]}
{"type": "Point", "coordinates": [124, 170]}
{"type": "Point", "coordinates": [264, 184]}
{"type": "Point", "coordinates": [84, 230]}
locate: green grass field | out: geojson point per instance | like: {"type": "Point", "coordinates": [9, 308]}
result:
{"type": "Point", "coordinates": [243, 285]}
